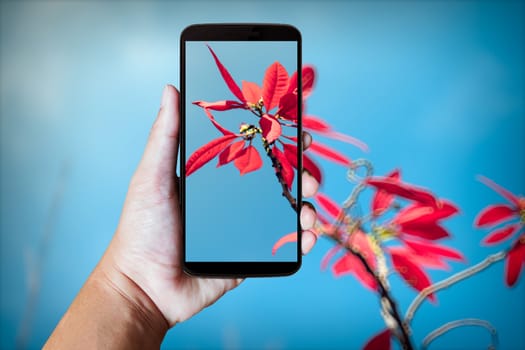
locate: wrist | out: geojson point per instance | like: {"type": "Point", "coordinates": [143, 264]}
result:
{"type": "Point", "coordinates": [132, 306]}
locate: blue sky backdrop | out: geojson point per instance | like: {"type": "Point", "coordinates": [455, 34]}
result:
{"type": "Point", "coordinates": [435, 88]}
{"type": "Point", "coordinates": [231, 217]}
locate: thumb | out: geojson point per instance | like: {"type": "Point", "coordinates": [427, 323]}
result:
{"type": "Point", "coordinates": [158, 163]}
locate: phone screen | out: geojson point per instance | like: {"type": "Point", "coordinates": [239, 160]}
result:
{"type": "Point", "coordinates": [240, 154]}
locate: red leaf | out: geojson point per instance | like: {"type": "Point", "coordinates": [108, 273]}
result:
{"type": "Point", "coordinates": [515, 261]}
{"type": "Point", "coordinates": [286, 168]}
{"type": "Point", "coordinates": [248, 160]}
{"type": "Point", "coordinates": [207, 152]}
{"type": "Point", "coordinates": [289, 238]}
{"type": "Point", "coordinates": [219, 105]}
{"type": "Point", "coordinates": [290, 151]}
{"type": "Point", "coordinates": [432, 249]}
{"type": "Point", "coordinates": [308, 80]}
{"type": "Point", "coordinates": [319, 126]}
{"type": "Point", "coordinates": [403, 190]}
{"type": "Point", "coordinates": [511, 197]}
{"type": "Point", "coordinates": [328, 205]}
{"type": "Point", "coordinates": [411, 273]}
{"type": "Point", "coordinates": [275, 84]}
{"type": "Point", "coordinates": [501, 234]}
{"type": "Point", "coordinates": [232, 85]}
{"type": "Point", "coordinates": [380, 341]}
{"type": "Point", "coordinates": [382, 199]}
{"type": "Point", "coordinates": [230, 153]}
{"type": "Point", "coordinates": [251, 92]}
{"type": "Point", "coordinates": [315, 124]}
{"type": "Point", "coordinates": [329, 255]}
{"type": "Point", "coordinates": [312, 168]}
{"type": "Point", "coordinates": [495, 214]}
{"type": "Point", "coordinates": [271, 129]}
{"type": "Point", "coordinates": [430, 231]}
{"type": "Point", "coordinates": [351, 264]}
{"type": "Point", "coordinates": [329, 153]}
{"type": "Point", "coordinates": [325, 152]}
{"type": "Point", "coordinates": [218, 126]}
{"type": "Point", "coordinates": [288, 107]}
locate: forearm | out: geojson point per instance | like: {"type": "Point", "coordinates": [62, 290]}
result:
{"type": "Point", "coordinates": [110, 312]}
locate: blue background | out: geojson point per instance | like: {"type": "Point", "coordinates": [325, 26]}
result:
{"type": "Point", "coordinates": [436, 88]}
{"type": "Point", "coordinates": [231, 217]}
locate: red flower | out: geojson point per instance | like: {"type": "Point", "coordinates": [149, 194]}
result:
{"type": "Point", "coordinates": [513, 217]}
{"type": "Point", "coordinates": [275, 105]}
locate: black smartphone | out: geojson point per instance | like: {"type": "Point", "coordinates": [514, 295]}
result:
{"type": "Point", "coordinates": [241, 120]}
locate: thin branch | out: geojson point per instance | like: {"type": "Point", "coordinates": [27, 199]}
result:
{"type": "Point", "coordinates": [467, 322]}
{"type": "Point", "coordinates": [488, 261]}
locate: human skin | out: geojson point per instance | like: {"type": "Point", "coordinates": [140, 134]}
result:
{"type": "Point", "coordinates": [138, 290]}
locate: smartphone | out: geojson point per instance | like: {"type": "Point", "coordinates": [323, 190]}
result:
{"type": "Point", "coordinates": [241, 119]}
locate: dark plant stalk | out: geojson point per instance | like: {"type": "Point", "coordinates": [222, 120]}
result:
{"type": "Point", "coordinates": [403, 334]}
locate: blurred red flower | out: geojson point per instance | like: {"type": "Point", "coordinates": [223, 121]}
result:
{"type": "Point", "coordinates": [512, 216]}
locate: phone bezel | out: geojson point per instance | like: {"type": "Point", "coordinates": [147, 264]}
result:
{"type": "Point", "coordinates": [238, 32]}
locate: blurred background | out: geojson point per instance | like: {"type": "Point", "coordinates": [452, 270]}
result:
{"type": "Point", "coordinates": [435, 88]}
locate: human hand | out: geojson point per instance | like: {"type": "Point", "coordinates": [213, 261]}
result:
{"type": "Point", "coordinates": [147, 246]}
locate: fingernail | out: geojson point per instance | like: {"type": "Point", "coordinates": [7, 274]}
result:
{"type": "Point", "coordinates": [164, 99]}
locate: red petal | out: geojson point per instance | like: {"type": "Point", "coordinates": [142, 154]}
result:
{"type": "Point", "coordinates": [286, 168]}
{"type": "Point", "coordinates": [251, 92]}
{"type": "Point", "coordinates": [230, 153]}
{"type": "Point", "coordinates": [430, 231]}
{"type": "Point", "coordinates": [411, 273]}
{"type": "Point", "coordinates": [219, 127]}
{"type": "Point", "coordinates": [232, 85]}
{"type": "Point", "coordinates": [219, 105]}
{"type": "Point", "coordinates": [351, 264]}
{"type": "Point", "coordinates": [403, 190]}
{"type": "Point", "coordinates": [501, 234]}
{"type": "Point", "coordinates": [248, 160]}
{"type": "Point", "coordinates": [308, 80]}
{"type": "Point", "coordinates": [274, 85]}
{"type": "Point", "coordinates": [328, 205]}
{"type": "Point", "coordinates": [207, 152]}
{"type": "Point", "coordinates": [495, 214]}
{"type": "Point", "coordinates": [289, 238]}
{"type": "Point", "coordinates": [380, 341]}
{"type": "Point", "coordinates": [382, 199]}
{"type": "Point", "coordinates": [271, 129]}
{"type": "Point", "coordinates": [329, 255]}
{"type": "Point", "coordinates": [428, 248]}
{"type": "Point", "coordinates": [515, 261]}
{"type": "Point", "coordinates": [511, 197]}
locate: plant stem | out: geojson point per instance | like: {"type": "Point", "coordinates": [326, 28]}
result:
{"type": "Point", "coordinates": [278, 173]}
{"type": "Point", "coordinates": [462, 323]}
{"type": "Point", "coordinates": [342, 240]}
{"type": "Point", "coordinates": [488, 261]}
